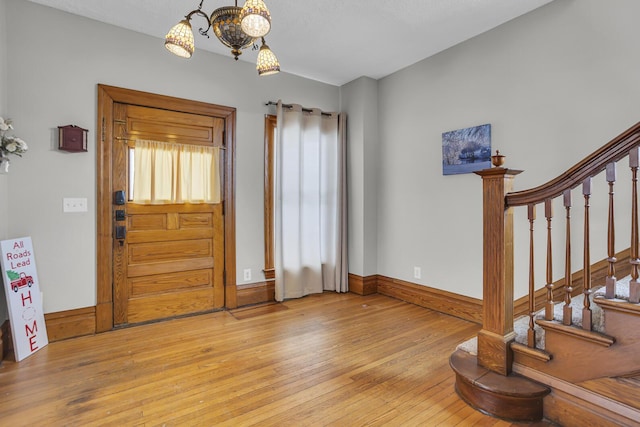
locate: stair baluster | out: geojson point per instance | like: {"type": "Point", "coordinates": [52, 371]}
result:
{"type": "Point", "coordinates": [634, 286]}
{"type": "Point", "coordinates": [566, 309]}
{"type": "Point", "coordinates": [610, 282]}
{"type": "Point", "coordinates": [548, 310]}
{"type": "Point", "coordinates": [531, 333]}
{"type": "Point", "coordinates": [586, 278]}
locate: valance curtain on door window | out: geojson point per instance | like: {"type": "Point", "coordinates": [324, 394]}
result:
{"type": "Point", "coordinates": [165, 172]}
{"type": "Point", "coordinates": [310, 202]}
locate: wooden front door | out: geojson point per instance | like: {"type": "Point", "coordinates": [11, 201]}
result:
{"type": "Point", "coordinates": [119, 292]}
{"type": "Point", "coordinates": [168, 259]}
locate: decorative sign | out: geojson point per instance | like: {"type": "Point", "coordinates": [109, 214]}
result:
{"type": "Point", "coordinates": [22, 289]}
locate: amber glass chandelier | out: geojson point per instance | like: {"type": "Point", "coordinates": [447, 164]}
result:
{"type": "Point", "coordinates": [236, 27]}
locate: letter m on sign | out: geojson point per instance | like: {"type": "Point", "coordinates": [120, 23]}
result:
{"type": "Point", "coordinates": [31, 331]}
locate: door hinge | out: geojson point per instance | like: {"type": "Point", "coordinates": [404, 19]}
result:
{"type": "Point", "coordinates": [104, 128]}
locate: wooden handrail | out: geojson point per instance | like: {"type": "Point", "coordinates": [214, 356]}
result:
{"type": "Point", "coordinates": [613, 151]}
{"type": "Point", "coordinates": [497, 333]}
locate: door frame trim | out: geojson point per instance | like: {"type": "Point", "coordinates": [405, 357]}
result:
{"type": "Point", "coordinates": [107, 96]}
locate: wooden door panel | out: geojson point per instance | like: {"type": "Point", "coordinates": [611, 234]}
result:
{"type": "Point", "coordinates": [166, 305]}
{"type": "Point", "coordinates": [147, 285]}
{"type": "Point", "coordinates": [147, 222]}
{"type": "Point", "coordinates": [163, 125]}
{"type": "Point", "coordinates": [138, 270]}
{"type": "Point", "coordinates": [135, 208]}
{"type": "Point", "coordinates": [168, 235]}
{"type": "Point", "coordinates": [140, 253]}
{"type": "Point", "coordinates": [147, 128]}
{"type": "Point", "coordinates": [195, 221]}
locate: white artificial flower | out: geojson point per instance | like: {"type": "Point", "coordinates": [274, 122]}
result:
{"type": "Point", "coordinates": [10, 144]}
{"type": "Point", "coordinates": [5, 124]}
{"type": "Point", "coordinates": [11, 147]}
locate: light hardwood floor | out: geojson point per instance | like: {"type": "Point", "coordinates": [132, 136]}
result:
{"type": "Point", "coordinates": [324, 360]}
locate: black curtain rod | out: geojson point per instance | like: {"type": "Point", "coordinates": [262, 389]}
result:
{"type": "Point", "coordinates": [306, 110]}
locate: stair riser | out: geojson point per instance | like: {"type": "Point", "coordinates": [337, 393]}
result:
{"type": "Point", "coordinates": [569, 411]}
{"type": "Point", "coordinates": [500, 406]}
{"type": "Point", "coordinates": [508, 397]}
{"type": "Point", "coordinates": [575, 359]}
{"type": "Point", "coordinates": [622, 324]}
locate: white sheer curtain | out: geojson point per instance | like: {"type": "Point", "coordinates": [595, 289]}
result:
{"type": "Point", "coordinates": [310, 203]}
{"type": "Point", "coordinates": [165, 172]}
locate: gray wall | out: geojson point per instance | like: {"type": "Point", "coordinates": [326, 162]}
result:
{"type": "Point", "coordinates": [555, 84]}
{"type": "Point", "coordinates": [55, 62]}
{"type": "Point", "coordinates": [4, 179]}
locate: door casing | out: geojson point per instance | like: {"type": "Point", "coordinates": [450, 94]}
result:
{"type": "Point", "coordinates": [107, 96]}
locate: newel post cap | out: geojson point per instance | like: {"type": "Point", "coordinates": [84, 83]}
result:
{"type": "Point", "coordinates": [499, 171]}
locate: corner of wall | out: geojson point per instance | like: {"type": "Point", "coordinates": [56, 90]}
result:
{"type": "Point", "coordinates": [359, 99]}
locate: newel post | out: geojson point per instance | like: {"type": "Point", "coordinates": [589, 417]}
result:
{"type": "Point", "coordinates": [494, 349]}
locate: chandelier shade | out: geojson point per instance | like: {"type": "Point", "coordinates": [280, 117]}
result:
{"type": "Point", "coordinates": [267, 61]}
{"type": "Point", "coordinates": [179, 40]}
{"type": "Point", "coordinates": [226, 26]}
{"type": "Point", "coordinates": [235, 27]}
{"type": "Point", "coordinates": [255, 18]}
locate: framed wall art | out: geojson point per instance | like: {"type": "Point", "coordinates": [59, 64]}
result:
{"type": "Point", "coordinates": [466, 150]}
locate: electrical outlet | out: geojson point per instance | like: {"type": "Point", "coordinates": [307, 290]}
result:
{"type": "Point", "coordinates": [247, 274]}
{"type": "Point", "coordinates": [417, 273]}
{"type": "Point", "coordinates": [75, 204]}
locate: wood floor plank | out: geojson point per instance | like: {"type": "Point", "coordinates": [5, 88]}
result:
{"type": "Point", "coordinates": [323, 360]}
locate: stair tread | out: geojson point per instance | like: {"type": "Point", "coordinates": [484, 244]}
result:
{"type": "Point", "coordinates": [625, 390]}
{"type": "Point", "coordinates": [620, 303]}
{"type": "Point", "coordinates": [467, 365]}
{"type": "Point", "coordinates": [511, 397]}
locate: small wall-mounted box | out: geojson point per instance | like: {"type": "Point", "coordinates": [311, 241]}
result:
{"type": "Point", "coordinates": [72, 138]}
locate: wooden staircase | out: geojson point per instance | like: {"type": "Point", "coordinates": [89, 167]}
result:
{"type": "Point", "coordinates": [583, 375]}
{"type": "Point", "coordinates": [592, 377]}
{"type": "Point", "coordinates": [580, 378]}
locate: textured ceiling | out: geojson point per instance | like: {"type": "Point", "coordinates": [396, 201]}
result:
{"type": "Point", "coordinates": [329, 40]}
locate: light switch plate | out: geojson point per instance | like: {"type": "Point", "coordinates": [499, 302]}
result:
{"type": "Point", "coordinates": [74, 204]}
